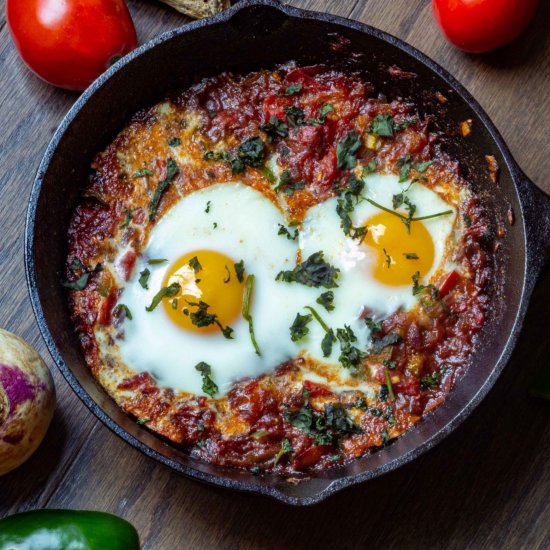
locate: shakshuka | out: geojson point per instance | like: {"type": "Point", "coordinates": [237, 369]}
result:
{"type": "Point", "coordinates": [281, 271]}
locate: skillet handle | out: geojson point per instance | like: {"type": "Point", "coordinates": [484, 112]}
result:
{"type": "Point", "coordinates": [536, 207]}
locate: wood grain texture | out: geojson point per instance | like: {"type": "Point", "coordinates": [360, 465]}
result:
{"type": "Point", "coordinates": [486, 486]}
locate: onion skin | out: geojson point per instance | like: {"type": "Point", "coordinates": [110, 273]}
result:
{"type": "Point", "coordinates": [27, 401]}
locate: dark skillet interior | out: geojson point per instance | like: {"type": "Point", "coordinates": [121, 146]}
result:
{"type": "Point", "coordinates": [252, 36]}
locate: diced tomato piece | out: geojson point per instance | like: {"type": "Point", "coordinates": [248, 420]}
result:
{"type": "Point", "coordinates": [316, 390]}
{"type": "Point", "coordinates": [310, 457]}
{"type": "Point", "coordinates": [407, 386]}
{"type": "Point", "coordinates": [126, 264]}
{"type": "Point", "coordinates": [302, 76]}
{"type": "Point", "coordinates": [275, 106]}
{"type": "Point", "coordinates": [449, 283]}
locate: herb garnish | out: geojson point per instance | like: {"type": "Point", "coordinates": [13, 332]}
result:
{"type": "Point", "coordinates": [247, 316]}
{"type": "Point", "coordinates": [346, 150]}
{"type": "Point", "coordinates": [201, 318]}
{"type": "Point", "coordinates": [326, 343]}
{"type": "Point", "coordinates": [345, 206]}
{"type": "Point", "coordinates": [157, 261]}
{"type": "Point", "coordinates": [239, 270]}
{"type": "Point", "coordinates": [382, 125]}
{"type": "Point", "coordinates": [194, 264]}
{"type": "Point", "coordinates": [166, 292]}
{"type": "Point", "coordinates": [79, 284]}
{"type": "Point", "coordinates": [275, 128]}
{"type": "Point", "coordinates": [313, 272]}
{"type": "Point", "coordinates": [411, 255]}
{"type": "Point", "coordinates": [323, 112]}
{"type": "Point", "coordinates": [286, 448]}
{"type": "Point", "coordinates": [350, 356]}
{"type": "Point", "coordinates": [208, 385]}
{"type": "Point", "coordinates": [287, 184]}
{"type": "Point", "coordinates": [405, 168]}
{"type": "Point", "coordinates": [142, 173]}
{"type": "Point", "coordinates": [250, 153]}
{"type": "Point", "coordinates": [290, 90]}
{"type": "Point", "coordinates": [144, 279]}
{"type": "Point", "coordinates": [284, 231]}
{"type": "Point", "coordinates": [430, 380]}
{"type": "Point", "coordinates": [128, 216]}
{"type": "Point", "coordinates": [374, 326]}
{"type": "Point", "coordinates": [174, 142]}
{"type": "Point", "coordinates": [407, 220]}
{"type": "Point", "coordinates": [228, 278]}
{"type": "Point", "coordinates": [127, 312]}
{"type": "Point", "coordinates": [143, 420]}
{"type": "Point", "coordinates": [388, 258]}
{"type": "Point", "coordinates": [390, 363]}
{"type": "Point", "coordinates": [370, 167]}
{"type": "Point", "coordinates": [208, 205]}
{"type": "Point", "coordinates": [295, 116]}
{"type": "Point", "coordinates": [299, 327]}
{"type": "Point", "coordinates": [329, 338]}
{"type": "Point", "coordinates": [388, 384]}
{"type": "Point", "coordinates": [391, 339]}
{"type": "Point", "coordinates": [323, 427]}
{"type": "Point", "coordinates": [172, 171]}
{"type": "Point", "coordinates": [326, 300]}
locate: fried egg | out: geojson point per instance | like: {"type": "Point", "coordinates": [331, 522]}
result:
{"type": "Point", "coordinates": [220, 226]}
{"type": "Point", "coordinates": [191, 302]}
{"type": "Point", "coordinates": [376, 274]}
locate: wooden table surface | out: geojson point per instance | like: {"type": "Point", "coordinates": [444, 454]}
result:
{"type": "Point", "coordinates": [486, 486]}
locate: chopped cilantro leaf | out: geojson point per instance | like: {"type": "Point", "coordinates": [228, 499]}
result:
{"type": "Point", "coordinates": [144, 278]}
{"type": "Point", "coordinates": [382, 125]}
{"type": "Point", "coordinates": [294, 115]}
{"type": "Point", "coordinates": [247, 316]}
{"type": "Point", "coordinates": [313, 272]}
{"type": "Point", "coordinates": [411, 255]}
{"type": "Point", "coordinates": [346, 150]}
{"type": "Point", "coordinates": [194, 264]}
{"type": "Point", "coordinates": [208, 385]}
{"type": "Point", "coordinates": [379, 344]}
{"type": "Point", "coordinates": [299, 328]}
{"type": "Point", "coordinates": [286, 447]}
{"type": "Point", "coordinates": [430, 380]}
{"type": "Point", "coordinates": [174, 142]}
{"type": "Point", "coordinates": [127, 312]}
{"type": "Point", "coordinates": [326, 300]}
{"type": "Point", "coordinates": [142, 173]}
{"type": "Point", "coordinates": [284, 231]}
{"type": "Point", "coordinates": [290, 90]}
{"type": "Point", "coordinates": [171, 171]}
{"type": "Point", "coordinates": [239, 270]}
{"type": "Point", "coordinates": [287, 184]}
{"type": "Point", "coordinates": [166, 292]}
{"type": "Point", "coordinates": [128, 216]}
{"type": "Point", "coordinates": [275, 128]}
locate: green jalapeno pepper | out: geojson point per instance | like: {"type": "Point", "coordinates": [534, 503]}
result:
{"type": "Point", "coordinates": [67, 530]}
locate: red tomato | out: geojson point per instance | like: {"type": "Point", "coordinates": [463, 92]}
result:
{"type": "Point", "coordinates": [479, 26]}
{"type": "Point", "coordinates": [69, 43]}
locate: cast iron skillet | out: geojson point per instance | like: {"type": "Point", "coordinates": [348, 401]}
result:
{"type": "Point", "coordinates": [259, 34]}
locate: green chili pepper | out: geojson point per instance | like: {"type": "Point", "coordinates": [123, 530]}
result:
{"type": "Point", "coordinates": [62, 529]}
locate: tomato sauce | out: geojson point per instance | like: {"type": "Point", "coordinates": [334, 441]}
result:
{"type": "Point", "coordinates": [278, 422]}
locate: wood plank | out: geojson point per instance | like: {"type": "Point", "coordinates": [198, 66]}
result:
{"type": "Point", "coordinates": [486, 486]}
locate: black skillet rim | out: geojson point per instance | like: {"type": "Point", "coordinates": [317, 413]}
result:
{"type": "Point", "coordinates": [219, 480]}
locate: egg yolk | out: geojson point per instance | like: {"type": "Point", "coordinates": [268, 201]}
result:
{"type": "Point", "coordinates": [399, 254]}
{"type": "Point", "coordinates": [206, 276]}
